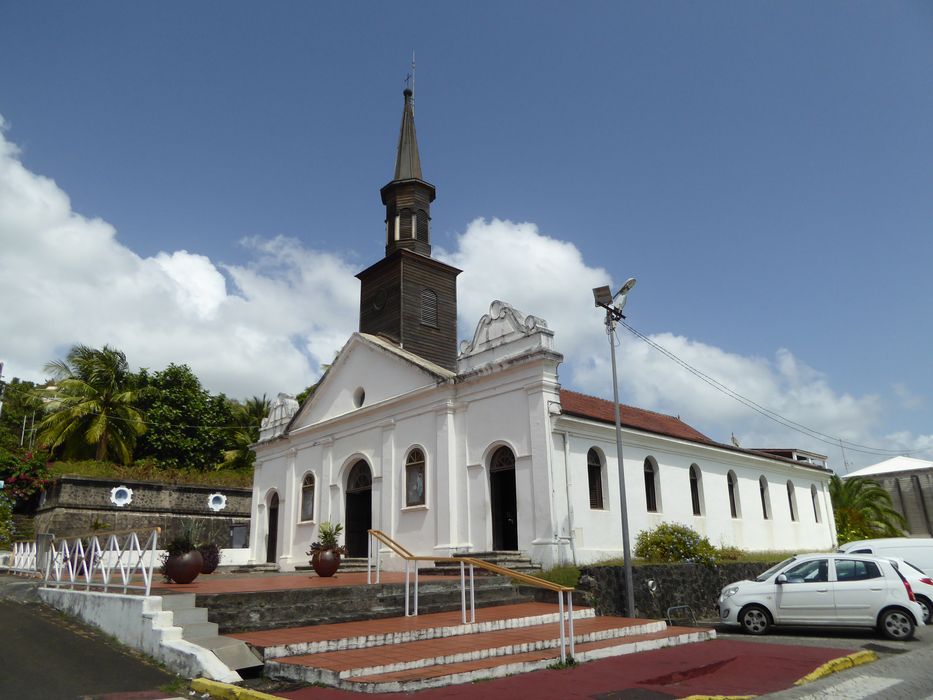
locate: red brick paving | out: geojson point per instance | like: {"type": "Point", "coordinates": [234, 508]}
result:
{"type": "Point", "coordinates": [726, 667]}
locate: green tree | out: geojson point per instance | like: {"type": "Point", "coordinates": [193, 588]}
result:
{"type": "Point", "coordinates": [188, 427]}
{"type": "Point", "coordinates": [248, 417]}
{"type": "Point", "coordinates": [23, 409]}
{"type": "Point", "coordinates": [94, 410]}
{"type": "Point", "coordinates": [863, 510]}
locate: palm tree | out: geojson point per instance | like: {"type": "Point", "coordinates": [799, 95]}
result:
{"type": "Point", "coordinates": [248, 417]}
{"type": "Point", "coordinates": [863, 510]}
{"type": "Point", "coordinates": [94, 408]}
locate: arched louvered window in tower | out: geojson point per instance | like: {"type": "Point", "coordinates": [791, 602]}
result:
{"type": "Point", "coordinates": [695, 498]}
{"type": "Point", "coordinates": [651, 485]}
{"type": "Point", "coordinates": [733, 494]}
{"type": "Point", "coordinates": [765, 500]}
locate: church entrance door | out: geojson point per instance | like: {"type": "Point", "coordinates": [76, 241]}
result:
{"type": "Point", "coordinates": [272, 540]}
{"type": "Point", "coordinates": [359, 509]}
{"type": "Point", "coordinates": [502, 500]}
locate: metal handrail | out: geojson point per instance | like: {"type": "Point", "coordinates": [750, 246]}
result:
{"type": "Point", "coordinates": [471, 563]}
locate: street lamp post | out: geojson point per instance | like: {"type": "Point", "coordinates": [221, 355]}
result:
{"type": "Point", "coordinates": [613, 304]}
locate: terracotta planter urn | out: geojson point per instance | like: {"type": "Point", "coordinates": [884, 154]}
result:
{"type": "Point", "coordinates": [184, 568]}
{"type": "Point", "coordinates": [325, 562]}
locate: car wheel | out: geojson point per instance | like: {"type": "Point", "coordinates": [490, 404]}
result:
{"type": "Point", "coordinates": [755, 619]}
{"type": "Point", "coordinates": [896, 624]}
{"type": "Point", "coordinates": [927, 608]}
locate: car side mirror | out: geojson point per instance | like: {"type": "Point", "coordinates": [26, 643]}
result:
{"type": "Point", "coordinates": [782, 578]}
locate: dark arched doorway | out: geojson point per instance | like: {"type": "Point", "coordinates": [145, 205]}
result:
{"type": "Point", "coordinates": [502, 500]}
{"type": "Point", "coordinates": [359, 509]}
{"type": "Point", "coordinates": [272, 540]}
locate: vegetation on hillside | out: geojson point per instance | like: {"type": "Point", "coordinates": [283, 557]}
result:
{"type": "Point", "coordinates": [94, 417]}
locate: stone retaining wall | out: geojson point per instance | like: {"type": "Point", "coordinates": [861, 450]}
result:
{"type": "Point", "coordinates": [696, 585]}
{"type": "Point", "coordinates": [75, 505]}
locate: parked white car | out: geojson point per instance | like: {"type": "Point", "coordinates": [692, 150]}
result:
{"type": "Point", "coordinates": [825, 589]}
{"type": "Point", "coordinates": [921, 583]}
{"type": "Point", "coordinates": [917, 550]}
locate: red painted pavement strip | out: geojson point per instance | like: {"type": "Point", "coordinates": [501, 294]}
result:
{"type": "Point", "coordinates": [725, 667]}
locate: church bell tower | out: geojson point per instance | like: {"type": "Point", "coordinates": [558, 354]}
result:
{"type": "Point", "coordinates": [409, 297]}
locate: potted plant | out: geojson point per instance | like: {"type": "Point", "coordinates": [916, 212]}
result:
{"type": "Point", "coordinates": [182, 562]}
{"type": "Point", "coordinates": [210, 555]}
{"type": "Point", "coordinates": [325, 553]}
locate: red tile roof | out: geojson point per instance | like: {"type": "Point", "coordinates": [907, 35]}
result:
{"type": "Point", "coordinates": [585, 406]}
{"type": "Point", "coordinates": [576, 404]}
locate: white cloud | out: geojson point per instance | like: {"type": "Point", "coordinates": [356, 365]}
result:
{"type": "Point", "coordinates": [267, 326]}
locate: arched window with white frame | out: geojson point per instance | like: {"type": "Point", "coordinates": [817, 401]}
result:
{"type": "Point", "coordinates": [792, 500]}
{"type": "Point", "coordinates": [696, 490]}
{"type": "Point", "coordinates": [594, 474]}
{"type": "Point", "coordinates": [415, 478]}
{"type": "Point", "coordinates": [652, 499]}
{"type": "Point", "coordinates": [765, 497]}
{"type": "Point", "coordinates": [307, 498]}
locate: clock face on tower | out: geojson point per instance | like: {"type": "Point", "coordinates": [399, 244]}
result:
{"type": "Point", "coordinates": [379, 299]}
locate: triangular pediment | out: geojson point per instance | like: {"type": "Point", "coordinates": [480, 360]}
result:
{"type": "Point", "coordinates": [368, 370]}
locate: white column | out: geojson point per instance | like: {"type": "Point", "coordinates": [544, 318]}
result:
{"type": "Point", "coordinates": [288, 513]}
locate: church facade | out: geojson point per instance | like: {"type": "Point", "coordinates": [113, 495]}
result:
{"type": "Point", "coordinates": [476, 448]}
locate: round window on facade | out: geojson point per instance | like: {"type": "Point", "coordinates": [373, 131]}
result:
{"type": "Point", "coordinates": [216, 502]}
{"type": "Point", "coordinates": [121, 496]}
{"type": "Point", "coordinates": [359, 396]}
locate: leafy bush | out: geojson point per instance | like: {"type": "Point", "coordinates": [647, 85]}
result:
{"type": "Point", "coordinates": [327, 539]}
{"type": "Point", "coordinates": [210, 555]}
{"type": "Point", "coordinates": [729, 553]}
{"type": "Point", "coordinates": [672, 542]}
{"type": "Point", "coordinates": [6, 522]}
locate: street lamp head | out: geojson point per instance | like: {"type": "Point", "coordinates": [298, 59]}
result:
{"type": "Point", "coordinates": [626, 288]}
{"type": "Point", "coordinates": [602, 296]}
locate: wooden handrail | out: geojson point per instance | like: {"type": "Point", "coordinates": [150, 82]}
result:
{"type": "Point", "coordinates": [493, 568]}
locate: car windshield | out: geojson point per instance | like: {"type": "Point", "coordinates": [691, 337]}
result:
{"type": "Point", "coordinates": [774, 569]}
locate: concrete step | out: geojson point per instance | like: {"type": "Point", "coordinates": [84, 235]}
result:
{"type": "Point", "coordinates": [189, 616]}
{"type": "Point", "coordinates": [235, 653]}
{"type": "Point", "coordinates": [178, 601]}
{"type": "Point", "coordinates": [275, 609]}
{"type": "Point", "coordinates": [434, 660]}
{"type": "Point", "coordinates": [359, 635]}
{"type": "Point", "coordinates": [498, 667]}
{"type": "Point", "coordinates": [197, 630]}
{"type": "Point", "coordinates": [347, 564]}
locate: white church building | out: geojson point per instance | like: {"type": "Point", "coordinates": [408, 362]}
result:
{"type": "Point", "coordinates": [477, 448]}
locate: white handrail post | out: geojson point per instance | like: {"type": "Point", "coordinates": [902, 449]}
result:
{"type": "Point", "coordinates": [462, 592]}
{"type": "Point", "coordinates": [369, 558]}
{"type": "Point", "coordinates": [570, 612]}
{"type": "Point", "coordinates": [407, 563]}
{"type": "Point", "coordinates": [563, 640]}
{"type": "Point", "coordinates": [378, 544]}
{"type": "Point", "coordinates": [472, 596]}
{"type": "Point", "coordinates": [416, 588]}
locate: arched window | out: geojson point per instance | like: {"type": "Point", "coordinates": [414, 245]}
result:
{"type": "Point", "coordinates": [763, 490]}
{"type": "Point", "coordinates": [594, 472]}
{"type": "Point", "coordinates": [733, 494]}
{"type": "Point", "coordinates": [429, 307]}
{"type": "Point", "coordinates": [307, 498]}
{"type": "Point", "coordinates": [695, 490]}
{"type": "Point", "coordinates": [792, 500]}
{"type": "Point", "coordinates": [814, 496]}
{"type": "Point", "coordinates": [651, 485]}
{"type": "Point", "coordinates": [360, 478]}
{"type": "Point", "coordinates": [414, 478]}
{"type": "Point", "coordinates": [502, 460]}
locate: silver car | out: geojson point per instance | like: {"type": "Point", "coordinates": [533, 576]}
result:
{"type": "Point", "coordinates": [843, 590]}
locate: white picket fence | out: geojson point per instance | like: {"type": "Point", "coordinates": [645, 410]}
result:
{"type": "Point", "coordinates": [24, 557]}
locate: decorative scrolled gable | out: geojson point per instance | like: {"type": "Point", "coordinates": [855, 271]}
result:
{"type": "Point", "coordinates": [504, 333]}
{"type": "Point", "coordinates": [280, 413]}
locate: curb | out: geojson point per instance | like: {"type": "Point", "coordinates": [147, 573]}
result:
{"type": "Point", "coordinates": [226, 691]}
{"type": "Point", "coordinates": [840, 664]}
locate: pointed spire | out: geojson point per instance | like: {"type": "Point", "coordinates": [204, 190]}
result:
{"type": "Point", "coordinates": [407, 161]}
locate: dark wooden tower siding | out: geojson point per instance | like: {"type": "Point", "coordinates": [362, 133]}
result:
{"type": "Point", "coordinates": [408, 297]}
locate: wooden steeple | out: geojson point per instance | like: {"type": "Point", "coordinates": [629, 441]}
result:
{"type": "Point", "coordinates": [408, 297]}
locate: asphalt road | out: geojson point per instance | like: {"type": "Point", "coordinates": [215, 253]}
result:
{"type": "Point", "coordinates": [45, 655]}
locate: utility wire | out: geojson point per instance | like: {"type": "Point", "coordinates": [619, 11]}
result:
{"type": "Point", "coordinates": [758, 408]}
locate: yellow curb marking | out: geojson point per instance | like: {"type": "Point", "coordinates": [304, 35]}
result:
{"type": "Point", "coordinates": [226, 691]}
{"type": "Point", "coordinates": [840, 664]}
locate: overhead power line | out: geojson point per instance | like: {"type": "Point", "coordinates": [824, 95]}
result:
{"type": "Point", "coordinates": [762, 410]}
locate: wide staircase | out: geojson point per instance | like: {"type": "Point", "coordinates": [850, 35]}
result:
{"type": "Point", "coordinates": [360, 638]}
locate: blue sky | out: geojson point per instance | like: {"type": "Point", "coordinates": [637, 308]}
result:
{"type": "Point", "coordinates": [763, 169]}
